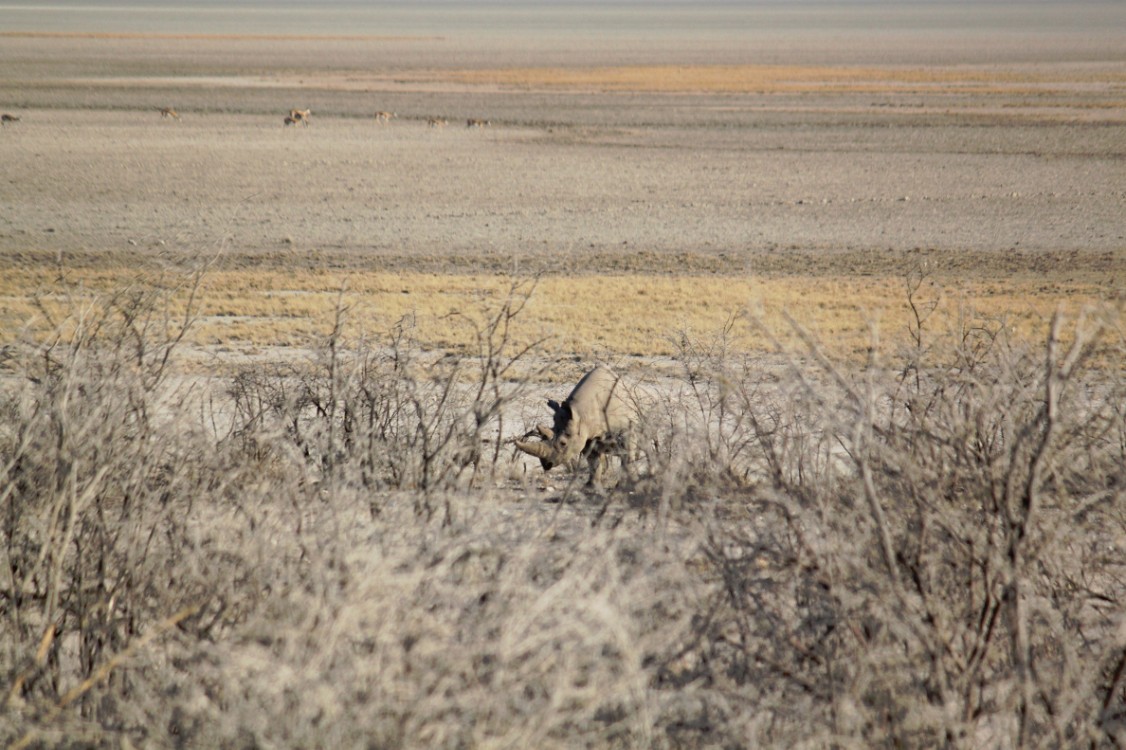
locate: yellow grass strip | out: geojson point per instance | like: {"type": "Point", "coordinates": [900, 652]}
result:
{"type": "Point", "coordinates": [592, 316]}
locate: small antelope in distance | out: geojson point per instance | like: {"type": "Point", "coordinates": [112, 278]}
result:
{"type": "Point", "coordinates": [473, 122]}
{"type": "Point", "coordinates": [300, 116]}
{"type": "Point", "coordinates": [384, 117]}
{"type": "Point", "coordinates": [435, 122]}
{"type": "Point", "coordinates": [6, 118]}
{"type": "Point", "coordinates": [168, 112]}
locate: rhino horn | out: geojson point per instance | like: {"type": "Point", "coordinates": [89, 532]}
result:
{"type": "Point", "coordinates": [537, 448]}
{"type": "Point", "coordinates": [541, 450]}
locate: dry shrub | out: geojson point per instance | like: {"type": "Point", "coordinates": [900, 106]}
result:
{"type": "Point", "coordinates": [490, 631]}
{"type": "Point", "coordinates": [102, 475]}
{"type": "Point", "coordinates": [922, 552]}
{"type": "Point", "coordinates": [382, 415]}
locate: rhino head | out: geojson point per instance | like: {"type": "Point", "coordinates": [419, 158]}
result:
{"type": "Point", "coordinates": [559, 444]}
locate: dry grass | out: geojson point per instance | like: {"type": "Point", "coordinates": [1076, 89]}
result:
{"type": "Point", "coordinates": [607, 314]}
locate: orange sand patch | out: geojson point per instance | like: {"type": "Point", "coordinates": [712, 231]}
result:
{"type": "Point", "coordinates": [784, 78]}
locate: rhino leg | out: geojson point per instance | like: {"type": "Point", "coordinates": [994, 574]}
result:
{"type": "Point", "coordinates": [599, 450]}
{"type": "Point", "coordinates": [596, 453]}
{"type": "Point", "coordinates": [597, 461]}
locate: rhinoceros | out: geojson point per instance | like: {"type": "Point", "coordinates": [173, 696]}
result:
{"type": "Point", "coordinates": [594, 421]}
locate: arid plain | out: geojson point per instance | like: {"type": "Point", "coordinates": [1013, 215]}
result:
{"type": "Point", "coordinates": [651, 190]}
{"type": "Point", "coordinates": [261, 383]}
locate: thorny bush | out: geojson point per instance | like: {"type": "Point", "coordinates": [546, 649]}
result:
{"type": "Point", "coordinates": [924, 551]}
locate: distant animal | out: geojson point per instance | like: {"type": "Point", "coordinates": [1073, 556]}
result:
{"type": "Point", "coordinates": [435, 122]}
{"type": "Point", "coordinates": [595, 422]}
{"type": "Point", "coordinates": [384, 117]}
{"type": "Point", "coordinates": [6, 118]}
{"type": "Point", "coordinates": [472, 122]}
{"type": "Point", "coordinates": [300, 116]}
{"type": "Point", "coordinates": [168, 112]}
{"type": "Point", "coordinates": [289, 121]}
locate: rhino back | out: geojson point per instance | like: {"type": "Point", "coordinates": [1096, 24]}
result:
{"type": "Point", "coordinates": [599, 401]}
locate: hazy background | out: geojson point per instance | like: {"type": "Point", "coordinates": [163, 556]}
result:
{"type": "Point", "coordinates": [869, 30]}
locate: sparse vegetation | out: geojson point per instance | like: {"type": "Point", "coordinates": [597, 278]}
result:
{"type": "Point", "coordinates": [260, 388]}
{"type": "Point", "coordinates": [923, 550]}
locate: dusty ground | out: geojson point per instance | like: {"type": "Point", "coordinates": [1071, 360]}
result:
{"type": "Point", "coordinates": [806, 182]}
